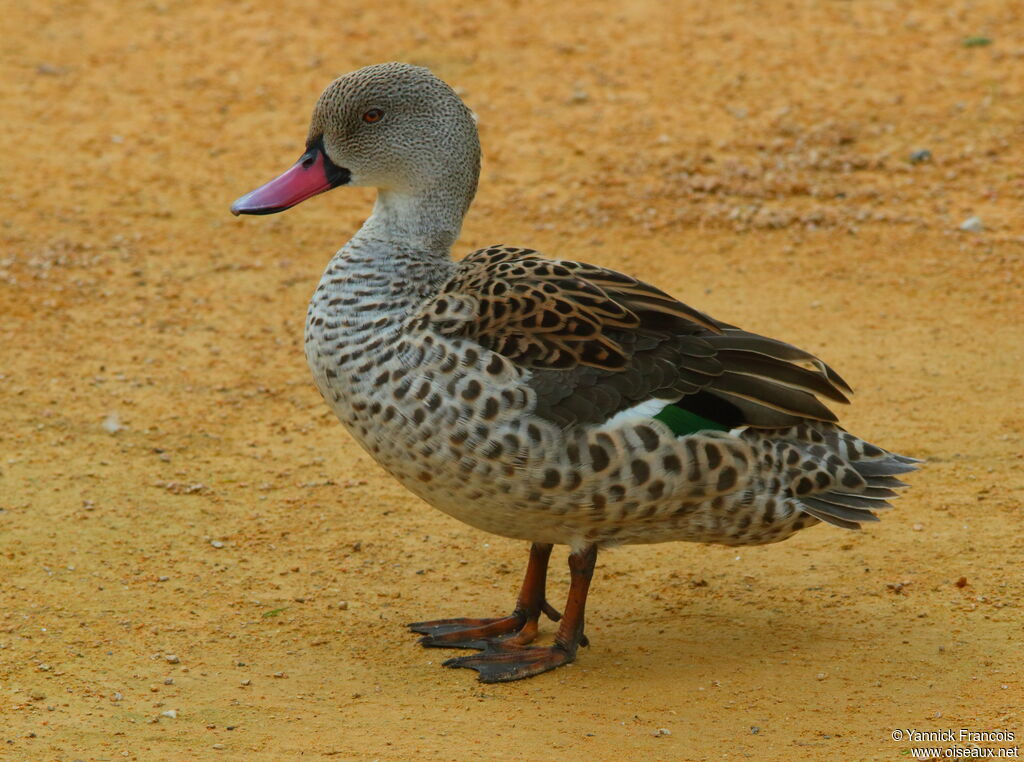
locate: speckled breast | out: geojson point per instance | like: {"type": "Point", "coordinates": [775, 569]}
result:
{"type": "Point", "coordinates": [446, 423]}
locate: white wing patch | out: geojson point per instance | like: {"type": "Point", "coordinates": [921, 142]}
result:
{"type": "Point", "coordinates": [646, 409]}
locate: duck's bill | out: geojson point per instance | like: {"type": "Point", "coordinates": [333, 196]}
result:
{"type": "Point", "coordinates": [314, 173]}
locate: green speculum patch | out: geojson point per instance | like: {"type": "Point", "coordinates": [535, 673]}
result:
{"type": "Point", "coordinates": [684, 422]}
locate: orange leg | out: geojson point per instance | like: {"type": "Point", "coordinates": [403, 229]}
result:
{"type": "Point", "coordinates": [516, 629]}
{"type": "Point", "coordinates": [503, 664]}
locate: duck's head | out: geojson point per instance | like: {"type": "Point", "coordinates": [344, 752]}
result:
{"type": "Point", "coordinates": [391, 126]}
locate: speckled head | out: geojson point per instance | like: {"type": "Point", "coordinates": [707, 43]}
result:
{"type": "Point", "coordinates": [391, 126]}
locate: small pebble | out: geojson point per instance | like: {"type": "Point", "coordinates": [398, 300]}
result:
{"type": "Point", "coordinates": [661, 732]}
{"type": "Point", "coordinates": [280, 674]}
{"type": "Point", "coordinates": [112, 423]}
{"type": "Point", "coordinates": [218, 746]}
{"type": "Point", "coordinates": [172, 659]}
{"type": "Point", "coordinates": [343, 605]}
{"type": "Point", "coordinates": [962, 582]}
{"type": "Point", "coordinates": [822, 675]}
{"type": "Point", "coordinates": [920, 156]}
{"type": "Point", "coordinates": [217, 543]}
{"type": "Point", "coordinates": [168, 681]}
{"type": "Point", "coordinates": [246, 682]}
{"type": "Point", "coordinates": [754, 730]}
{"type": "Point", "coordinates": [116, 697]}
{"type": "Point", "coordinates": [171, 713]}
{"type": "Point", "coordinates": [972, 225]}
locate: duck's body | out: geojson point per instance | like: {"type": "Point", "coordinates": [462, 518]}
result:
{"type": "Point", "coordinates": [549, 401]}
{"type": "Point", "coordinates": [495, 444]}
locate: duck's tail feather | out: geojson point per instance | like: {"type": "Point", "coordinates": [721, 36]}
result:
{"type": "Point", "coordinates": [833, 475]}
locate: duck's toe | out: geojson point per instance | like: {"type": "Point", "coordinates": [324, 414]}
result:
{"type": "Point", "coordinates": [506, 665]}
{"type": "Point", "coordinates": [473, 633]}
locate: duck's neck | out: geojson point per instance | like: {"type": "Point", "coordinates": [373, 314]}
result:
{"type": "Point", "coordinates": [427, 221]}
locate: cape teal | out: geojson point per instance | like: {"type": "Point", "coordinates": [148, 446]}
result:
{"type": "Point", "coordinates": [542, 399]}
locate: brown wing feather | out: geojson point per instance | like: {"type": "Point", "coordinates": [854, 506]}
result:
{"type": "Point", "coordinates": [545, 313]}
{"type": "Point", "coordinates": [599, 341]}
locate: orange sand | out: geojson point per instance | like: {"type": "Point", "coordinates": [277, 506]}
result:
{"type": "Point", "coordinates": [750, 157]}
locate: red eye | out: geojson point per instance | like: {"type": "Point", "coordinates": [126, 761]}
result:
{"type": "Point", "coordinates": [373, 115]}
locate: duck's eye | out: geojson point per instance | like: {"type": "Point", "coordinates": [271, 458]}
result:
{"type": "Point", "coordinates": [373, 115]}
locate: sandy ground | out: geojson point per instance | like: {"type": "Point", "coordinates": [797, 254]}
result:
{"type": "Point", "coordinates": [185, 528]}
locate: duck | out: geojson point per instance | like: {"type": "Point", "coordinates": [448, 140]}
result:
{"type": "Point", "coordinates": [543, 399]}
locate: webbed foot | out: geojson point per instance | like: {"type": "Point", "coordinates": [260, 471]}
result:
{"type": "Point", "coordinates": [506, 665]}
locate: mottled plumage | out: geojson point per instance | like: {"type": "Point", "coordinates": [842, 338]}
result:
{"type": "Point", "coordinates": [548, 400]}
